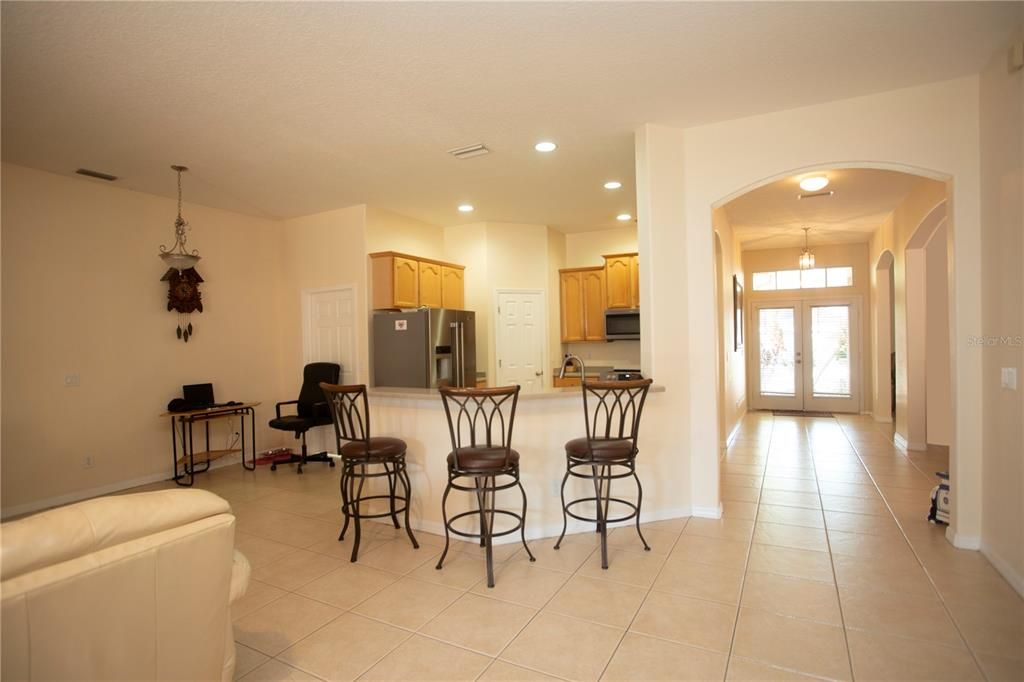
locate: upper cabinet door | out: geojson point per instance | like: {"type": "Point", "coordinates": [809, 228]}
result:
{"type": "Point", "coordinates": [453, 291]}
{"type": "Point", "coordinates": [430, 284]}
{"type": "Point", "coordinates": [593, 304]}
{"type": "Point", "coordinates": [406, 282]}
{"type": "Point", "coordinates": [635, 276]}
{"type": "Point", "coordinates": [571, 290]}
{"type": "Point", "coordinates": [619, 281]}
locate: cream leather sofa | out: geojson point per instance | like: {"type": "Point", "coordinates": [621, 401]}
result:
{"type": "Point", "coordinates": [132, 587]}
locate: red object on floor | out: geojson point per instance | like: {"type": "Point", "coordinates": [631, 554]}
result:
{"type": "Point", "coordinates": [278, 455]}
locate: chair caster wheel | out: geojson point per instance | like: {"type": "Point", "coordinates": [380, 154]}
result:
{"type": "Point", "coordinates": [300, 470]}
{"type": "Point", "coordinates": [331, 462]}
{"type": "Point", "coordinates": [273, 467]}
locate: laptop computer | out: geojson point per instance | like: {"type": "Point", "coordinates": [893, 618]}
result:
{"type": "Point", "coordinates": [198, 396]}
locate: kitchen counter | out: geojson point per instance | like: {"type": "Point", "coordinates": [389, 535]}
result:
{"type": "Point", "coordinates": [432, 394]}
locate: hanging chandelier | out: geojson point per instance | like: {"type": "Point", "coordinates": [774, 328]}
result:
{"type": "Point", "coordinates": [806, 258]}
{"type": "Point", "coordinates": [178, 257]}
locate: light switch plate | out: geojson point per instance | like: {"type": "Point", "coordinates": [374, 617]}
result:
{"type": "Point", "coordinates": [1009, 378]}
{"type": "Point", "coordinates": [72, 380]}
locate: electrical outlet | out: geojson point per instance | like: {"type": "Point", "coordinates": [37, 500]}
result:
{"type": "Point", "coordinates": [1008, 378]}
{"type": "Point", "coordinates": [72, 381]}
{"type": "Point", "coordinates": [87, 462]}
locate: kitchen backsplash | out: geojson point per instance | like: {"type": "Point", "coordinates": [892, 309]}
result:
{"type": "Point", "coordinates": [620, 354]}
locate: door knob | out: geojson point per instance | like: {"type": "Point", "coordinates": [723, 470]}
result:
{"type": "Point", "coordinates": [540, 373]}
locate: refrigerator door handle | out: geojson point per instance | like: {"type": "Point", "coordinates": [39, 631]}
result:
{"type": "Point", "coordinates": [462, 354]}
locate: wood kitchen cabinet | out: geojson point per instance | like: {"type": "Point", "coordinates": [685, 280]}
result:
{"type": "Point", "coordinates": [400, 280]}
{"type": "Point", "coordinates": [582, 298]}
{"type": "Point", "coordinates": [622, 281]}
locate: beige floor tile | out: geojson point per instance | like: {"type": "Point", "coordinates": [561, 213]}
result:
{"type": "Point", "coordinates": [633, 568]}
{"type": "Point", "coordinates": [646, 658]}
{"type": "Point", "coordinates": [898, 614]}
{"type": "Point", "coordinates": [878, 656]}
{"type": "Point", "coordinates": [891, 549]}
{"type": "Point", "coordinates": [861, 523]}
{"type": "Point", "coordinates": [788, 498]}
{"type": "Point", "coordinates": [867, 492]}
{"type": "Point", "coordinates": [347, 585]}
{"type": "Point", "coordinates": [948, 558]}
{"type": "Point", "coordinates": [732, 509]}
{"type": "Point", "coordinates": [793, 516]}
{"type": "Point", "coordinates": [792, 597]}
{"type": "Point", "coordinates": [730, 529]}
{"type": "Point", "coordinates": [276, 626]}
{"type": "Point", "coordinates": [564, 647]}
{"type": "Point", "coordinates": [460, 571]}
{"type": "Point", "coordinates": [408, 603]}
{"type": "Point", "coordinates": [344, 648]}
{"type": "Point", "coordinates": [398, 556]}
{"type": "Point", "coordinates": [421, 658]}
{"type": "Point", "coordinates": [704, 581]}
{"type": "Point", "coordinates": [569, 557]}
{"type": "Point", "coordinates": [797, 485]}
{"type": "Point", "coordinates": [746, 670]}
{"type": "Point", "coordinates": [990, 628]}
{"type": "Point", "coordinates": [999, 669]}
{"type": "Point", "coordinates": [743, 469]}
{"type": "Point", "coordinates": [247, 659]}
{"type": "Point", "coordinates": [736, 494]}
{"type": "Point", "coordinates": [256, 596]}
{"type": "Point", "coordinates": [799, 645]}
{"type": "Point", "coordinates": [910, 480]}
{"type": "Point", "coordinates": [796, 563]}
{"type": "Point", "coordinates": [854, 572]}
{"type": "Point", "coordinates": [478, 623]}
{"type": "Point", "coordinates": [774, 470]}
{"type": "Point", "coordinates": [599, 601]}
{"type": "Point", "coordinates": [522, 583]}
{"type": "Point", "coordinates": [855, 505]}
{"type": "Point", "coordinates": [303, 504]}
{"type": "Point", "coordinates": [696, 622]}
{"type": "Point", "coordinates": [843, 476]}
{"type": "Point", "coordinates": [500, 671]}
{"type": "Point", "coordinates": [674, 526]}
{"type": "Point", "coordinates": [794, 537]}
{"type": "Point", "coordinates": [260, 551]}
{"type": "Point", "coordinates": [625, 537]}
{"type": "Point", "coordinates": [294, 570]}
{"type": "Point", "coordinates": [342, 549]}
{"type": "Point", "coordinates": [716, 551]}
{"type": "Point", "coordinates": [979, 588]}
{"type": "Point", "coordinates": [741, 481]}
{"type": "Point", "coordinates": [275, 671]}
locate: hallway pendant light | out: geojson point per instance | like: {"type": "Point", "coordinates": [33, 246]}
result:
{"type": "Point", "coordinates": [178, 257]}
{"type": "Point", "coordinates": [806, 258]}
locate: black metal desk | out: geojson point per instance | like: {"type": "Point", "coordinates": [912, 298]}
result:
{"type": "Point", "coordinates": [182, 426]}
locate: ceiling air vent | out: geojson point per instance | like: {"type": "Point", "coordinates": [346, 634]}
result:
{"type": "Point", "coordinates": [815, 195]}
{"type": "Point", "coordinates": [96, 174]}
{"type": "Point", "coordinates": [469, 151]}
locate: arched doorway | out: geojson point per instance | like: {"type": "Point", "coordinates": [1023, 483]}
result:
{"type": "Point", "coordinates": [885, 338]}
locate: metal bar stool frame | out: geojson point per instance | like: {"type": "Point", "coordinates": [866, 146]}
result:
{"type": "Point", "coordinates": [350, 412]}
{"type": "Point", "coordinates": [614, 421]}
{"type": "Point", "coordinates": [479, 415]}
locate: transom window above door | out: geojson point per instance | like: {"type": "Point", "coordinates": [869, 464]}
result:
{"type": "Point", "coordinates": [814, 278]}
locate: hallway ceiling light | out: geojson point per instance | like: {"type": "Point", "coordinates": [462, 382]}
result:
{"type": "Point", "coordinates": [545, 146]}
{"type": "Point", "coordinates": [612, 184]}
{"type": "Point", "coordinates": [465, 208]}
{"type": "Point", "coordinates": [623, 217]}
{"type": "Point", "coordinates": [806, 258]}
{"type": "Point", "coordinates": [814, 183]}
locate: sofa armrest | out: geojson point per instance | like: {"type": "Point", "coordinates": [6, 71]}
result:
{"type": "Point", "coordinates": [240, 571]}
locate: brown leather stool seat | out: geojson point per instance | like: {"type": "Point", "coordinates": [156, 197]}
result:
{"type": "Point", "coordinates": [378, 447]}
{"type": "Point", "coordinates": [483, 460]}
{"type": "Point", "coordinates": [605, 449]}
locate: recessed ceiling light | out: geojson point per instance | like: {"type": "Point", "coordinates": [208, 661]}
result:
{"type": "Point", "coordinates": [623, 217]}
{"type": "Point", "coordinates": [465, 208]}
{"type": "Point", "coordinates": [814, 183]}
{"type": "Point", "coordinates": [612, 184]}
{"type": "Point", "coordinates": [545, 146]}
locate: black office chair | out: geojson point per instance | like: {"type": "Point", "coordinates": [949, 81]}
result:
{"type": "Point", "coordinates": [311, 410]}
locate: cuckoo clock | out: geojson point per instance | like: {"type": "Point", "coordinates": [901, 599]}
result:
{"type": "Point", "coordinates": [184, 297]}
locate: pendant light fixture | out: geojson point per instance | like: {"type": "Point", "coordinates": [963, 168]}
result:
{"type": "Point", "coordinates": [806, 258]}
{"type": "Point", "coordinates": [178, 257]}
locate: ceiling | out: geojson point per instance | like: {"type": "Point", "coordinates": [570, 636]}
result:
{"type": "Point", "coordinates": [771, 216]}
{"type": "Point", "coordinates": [287, 109]}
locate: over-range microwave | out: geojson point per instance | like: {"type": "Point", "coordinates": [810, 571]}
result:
{"type": "Point", "coordinates": [622, 325]}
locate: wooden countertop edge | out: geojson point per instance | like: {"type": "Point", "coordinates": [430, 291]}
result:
{"type": "Point", "coordinates": [431, 395]}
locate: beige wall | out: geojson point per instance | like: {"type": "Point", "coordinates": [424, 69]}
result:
{"type": "Point", "coordinates": [390, 231]}
{"type": "Point", "coordinates": [82, 295]}
{"type": "Point", "coordinates": [1002, 213]}
{"type": "Point", "coordinates": [733, 386]}
{"type": "Point", "coordinates": [938, 398]}
{"type": "Point", "coordinates": [584, 249]}
{"type": "Point", "coordinates": [825, 256]}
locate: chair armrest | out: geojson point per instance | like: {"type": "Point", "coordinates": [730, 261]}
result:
{"type": "Point", "coordinates": [286, 402]}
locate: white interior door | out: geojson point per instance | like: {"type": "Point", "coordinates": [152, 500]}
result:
{"type": "Point", "coordinates": [807, 356]}
{"type": "Point", "coordinates": [520, 338]}
{"type": "Point", "coordinates": [329, 329]}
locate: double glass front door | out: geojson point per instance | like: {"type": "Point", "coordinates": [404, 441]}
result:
{"type": "Point", "coordinates": [806, 356]}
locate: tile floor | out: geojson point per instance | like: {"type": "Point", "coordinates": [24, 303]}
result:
{"type": "Point", "coordinates": [822, 566]}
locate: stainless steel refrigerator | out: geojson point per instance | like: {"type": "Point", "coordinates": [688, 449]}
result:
{"type": "Point", "coordinates": [424, 348]}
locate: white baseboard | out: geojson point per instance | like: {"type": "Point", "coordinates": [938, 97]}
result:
{"type": "Point", "coordinates": [1015, 579]}
{"type": "Point", "coordinates": [911, 445]}
{"type": "Point", "coordinates": [962, 541]}
{"type": "Point", "coordinates": [708, 512]}
{"type": "Point", "coordinates": [883, 419]}
{"type": "Point", "coordinates": [110, 488]}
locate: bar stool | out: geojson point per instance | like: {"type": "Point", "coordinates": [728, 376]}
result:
{"type": "Point", "coordinates": [350, 412]}
{"type": "Point", "coordinates": [608, 452]}
{"type": "Point", "coordinates": [480, 424]}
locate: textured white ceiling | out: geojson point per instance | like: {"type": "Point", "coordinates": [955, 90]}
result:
{"type": "Point", "coordinates": [286, 109]}
{"type": "Point", "coordinates": [771, 217]}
